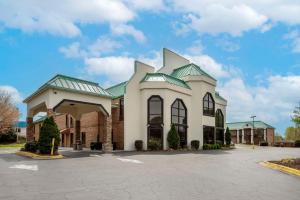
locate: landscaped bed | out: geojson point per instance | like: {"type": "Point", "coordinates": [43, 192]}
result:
{"type": "Point", "coordinates": [291, 162]}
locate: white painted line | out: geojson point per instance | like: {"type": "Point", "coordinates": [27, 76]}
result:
{"type": "Point", "coordinates": [26, 167]}
{"type": "Point", "coordinates": [130, 160]}
{"type": "Point", "coordinates": [95, 155]}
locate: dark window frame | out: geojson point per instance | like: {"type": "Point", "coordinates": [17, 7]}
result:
{"type": "Point", "coordinates": [179, 115]}
{"type": "Point", "coordinates": [162, 110]}
{"type": "Point", "coordinates": [219, 124]}
{"type": "Point", "coordinates": [210, 109]}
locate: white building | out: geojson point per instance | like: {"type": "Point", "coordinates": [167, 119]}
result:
{"type": "Point", "coordinates": [179, 93]}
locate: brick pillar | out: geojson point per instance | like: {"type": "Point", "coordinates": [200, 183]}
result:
{"type": "Point", "coordinates": [77, 130]}
{"type": "Point", "coordinates": [29, 129]}
{"type": "Point", "coordinates": [107, 134]}
{"type": "Point", "coordinates": [243, 136]}
{"type": "Point", "coordinates": [238, 136]}
{"type": "Point", "coordinates": [265, 135]}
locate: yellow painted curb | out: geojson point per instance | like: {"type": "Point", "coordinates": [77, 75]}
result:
{"type": "Point", "coordinates": [37, 156]}
{"type": "Point", "coordinates": [281, 168]}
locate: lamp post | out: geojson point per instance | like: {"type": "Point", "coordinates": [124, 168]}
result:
{"type": "Point", "coordinates": [253, 116]}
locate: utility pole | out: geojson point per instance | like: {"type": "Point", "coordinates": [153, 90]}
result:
{"type": "Point", "coordinates": [253, 116]}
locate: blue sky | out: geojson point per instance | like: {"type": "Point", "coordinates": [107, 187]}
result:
{"type": "Point", "coordinates": [252, 48]}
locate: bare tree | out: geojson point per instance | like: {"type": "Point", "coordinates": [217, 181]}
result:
{"type": "Point", "coordinates": [9, 113]}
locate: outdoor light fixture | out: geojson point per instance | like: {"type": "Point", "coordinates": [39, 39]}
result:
{"type": "Point", "coordinates": [72, 104]}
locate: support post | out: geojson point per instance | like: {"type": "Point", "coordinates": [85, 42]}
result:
{"type": "Point", "coordinates": [237, 136]}
{"type": "Point", "coordinates": [265, 135]}
{"type": "Point", "coordinates": [29, 129]}
{"type": "Point", "coordinates": [107, 134]}
{"type": "Point", "coordinates": [77, 130]}
{"type": "Point", "coordinates": [243, 136]}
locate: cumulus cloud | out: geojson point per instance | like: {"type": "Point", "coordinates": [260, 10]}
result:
{"type": "Point", "coordinates": [273, 102]}
{"type": "Point", "coordinates": [236, 16]}
{"type": "Point", "coordinates": [13, 92]}
{"type": "Point", "coordinates": [153, 5]}
{"type": "Point", "coordinates": [62, 17]}
{"type": "Point", "coordinates": [115, 68]}
{"type": "Point", "coordinates": [124, 29]}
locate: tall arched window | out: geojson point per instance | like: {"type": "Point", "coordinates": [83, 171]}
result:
{"type": "Point", "coordinates": [155, 119]}
{"type": "Point", "coordinates": [179, 119]}
{"type": "Point", "coordinates": [219, 126]}
{"type": "Point", "coordinates": [208, 105]}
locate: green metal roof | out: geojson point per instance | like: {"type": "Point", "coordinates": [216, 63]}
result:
{"type": "Point", "coordinates": [217, 95]}
{"type": "Point", "coordinates": [241, 125]}
{"type": "Point", "coordinates": [190, 69]}
{"type": "Point", "coordinates": [161, 77]}
{"type": "Point", "coordinates": [62, 82]}
{"type": "Point", "coordinates": [117, 90]}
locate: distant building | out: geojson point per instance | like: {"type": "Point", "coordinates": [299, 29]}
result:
{"type": "Point", "coordinates": [242, 132]}
{"type": "Point", "coordinates": [21, 128]}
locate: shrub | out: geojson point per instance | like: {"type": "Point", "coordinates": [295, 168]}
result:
{"type": "Point", "coordinates": [211, 146]}
{"type": "Point", "coordinates": [263, 143]}
{"type": "Point", "coordinates": [31, 146]}
{"type": "Point", "coordinates": [48, 131]}
{"type": "Point", "coordinates": [8, 136]}
{"type": "Point", "coordinates": [297, 143]}
{"type": "Point", "coordinates": [195, 144]}
{"type": "Point", "coordinates": [154, 144]}
{"type": "Point", "coordinates": [227, 136]}
{"type": "Point", "coordinates": [173, 138]}
{"type": "Point", "coordinates": [139, 145]}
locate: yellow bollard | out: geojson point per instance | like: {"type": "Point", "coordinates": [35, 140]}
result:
{"type": "Point", "coordinates": [52, 148]}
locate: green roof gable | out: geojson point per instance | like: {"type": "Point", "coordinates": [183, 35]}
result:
{"type": "Point", "coordinates": [117, 90]}
{"type": "Point", "coordinates": [190, 70]}
{"type": "Point", "coordinates": [218, 96]}
{"type": "Point", "coordinates": [67, 83]}
{"type": "Point", "coordinates": [241, 125]}
{"type": "Point", "coordinates": [161, 77]}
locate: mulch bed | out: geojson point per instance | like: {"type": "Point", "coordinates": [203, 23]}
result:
{"type": "Point", "coordinates": [292, 163]}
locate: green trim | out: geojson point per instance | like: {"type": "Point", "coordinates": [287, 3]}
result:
{"type": "Point", "coordinates": [242, 124]}
{"type": "Point", "coordinates": [118, 90]}
{"type": "Point", "coordinates": [217, 95]}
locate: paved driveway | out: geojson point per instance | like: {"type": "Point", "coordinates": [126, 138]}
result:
{"type": "Point", "coordinates": [233, 174]}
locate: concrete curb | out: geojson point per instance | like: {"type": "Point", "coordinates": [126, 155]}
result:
{"type": "Point", "coordinates": [37, 156]}
{"type": "Point", "coordinates": [281, 168]}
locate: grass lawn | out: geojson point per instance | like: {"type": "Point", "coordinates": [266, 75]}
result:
{"type": "Point", "coordinates": [12, 145]}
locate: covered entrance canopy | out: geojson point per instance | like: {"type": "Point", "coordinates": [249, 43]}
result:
{"type": "Point", "coordinates": [63, 94]}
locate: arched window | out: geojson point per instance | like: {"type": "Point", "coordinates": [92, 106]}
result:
{"type": "Point", "coordinates": [219, 126]}
{"type": "Point", "coordinates": [179, 119]}
{"type": "Point", "coordinates": [155, 120]}
{"type": "Point", "coordinates": [219, 119]}
{"type": "Point", "coordinates": [208, 105]}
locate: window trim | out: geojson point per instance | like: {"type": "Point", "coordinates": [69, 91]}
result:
{"type": "Point", "coordinates": [212, 114]}
{"type": "Point", "coordinates": [216, 117]}
{"type": "Point", "coordinates": [177, 125]}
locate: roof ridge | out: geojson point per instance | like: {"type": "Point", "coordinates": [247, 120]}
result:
{"type": "Point", "coordinates": [70, 77]}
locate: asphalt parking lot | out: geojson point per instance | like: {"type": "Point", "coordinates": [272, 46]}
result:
{"type": "Point", "coordinates": [232, 174]}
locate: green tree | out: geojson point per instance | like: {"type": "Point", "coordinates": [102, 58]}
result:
{"type": "Point", "coordinates": [278, 137]}
{"type": "Point", "coordinates": [296, 116]}
{"type": "Point", "coordinates": [48, 131]}
{"type": "Point", "coordinates": [173, 138]}
{"type": "Point", "coordinates": [292, 133]}
{"type": "Point", "coordinates": [227, 136]}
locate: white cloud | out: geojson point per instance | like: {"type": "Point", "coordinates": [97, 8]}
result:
{"type": "Point", "coordinates": [13, 92]}
{"type": "Point", "coordinates": [153, 5]}
{"type": "Point", "coordinates": [101, 46]}
{"type": "Point", "coordinates": [237, 16]}
{"type": "Point", "coordinates": [294, 36]}
{"type": "Point", "coordinates": [62, 17]}
{"type": "Point", "coordinates": [272, 103]}
{"type": "Point", "coordinates": [124, 29]}
{"type": "Point", "coordinates": [115, 68]}
{"type": "Point", "coordinates": [227, 45]}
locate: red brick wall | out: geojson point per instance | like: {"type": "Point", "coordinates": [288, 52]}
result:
{"type": "Point", "coordinates": [270, 136]}
{"type": "Point", "coordinates": [233, 136]}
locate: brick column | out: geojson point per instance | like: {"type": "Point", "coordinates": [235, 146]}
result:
{"type": "Point", "coordinates": [107, 134]}
{"type": "Point", "coordinates": [77, 130]}
{"type": "Point", "coordinates": [238, 136]}
{"type": "Point", "coordinates": [29, 129]}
